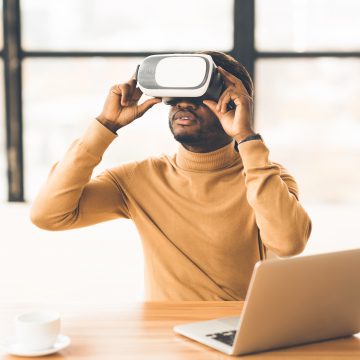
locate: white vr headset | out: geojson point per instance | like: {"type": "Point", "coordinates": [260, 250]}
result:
{"type": "Point", "coordinates": [172, 76]}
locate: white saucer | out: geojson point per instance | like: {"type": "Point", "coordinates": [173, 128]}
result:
{"type": "Point", "coordinates": [10, 345]}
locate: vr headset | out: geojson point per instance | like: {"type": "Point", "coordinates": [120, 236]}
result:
{"type": "Point", "coordinates": [174, 76]}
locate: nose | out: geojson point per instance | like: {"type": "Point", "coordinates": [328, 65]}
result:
{"type": "Point", "coordinates": [187, 104]}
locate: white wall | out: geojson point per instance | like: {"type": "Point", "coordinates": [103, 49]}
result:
{"type": "Point", "coordinates": [103, 263]}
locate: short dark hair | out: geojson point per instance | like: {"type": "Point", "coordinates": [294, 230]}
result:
{"type": "Point", "coordinates": [233, 66]}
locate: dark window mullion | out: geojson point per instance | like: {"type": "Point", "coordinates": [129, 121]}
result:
{"type": "Point", "coordinates": [244, 34]}
{"type": "Point", "coordinates": [13, 99]}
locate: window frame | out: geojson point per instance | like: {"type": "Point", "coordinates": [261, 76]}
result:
{"type": "Point", "coordinates": [12, 53]}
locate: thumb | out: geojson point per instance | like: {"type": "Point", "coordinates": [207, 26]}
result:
{"type": "Point", "coordinates": [212, 106]}
{"type": "Point", "coordinates": [146, 105]}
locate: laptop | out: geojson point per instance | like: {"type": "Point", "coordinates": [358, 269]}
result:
{"type": "Point", "coordinates": [289, 302]}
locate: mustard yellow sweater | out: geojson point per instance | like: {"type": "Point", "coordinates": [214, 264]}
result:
{"type": "Point", "coordinates": [197, 213]}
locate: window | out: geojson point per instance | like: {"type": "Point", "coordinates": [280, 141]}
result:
{"type": "Point", "coordinates": [74, 51]}
{"type": "Point", "coordinates": [63, 96]}
{"type": "Point", "coordinates": [307, 84]}
{"type": "Point", "coordinates": [3, 177]}
{"type": "Point", "coordinates": [113, 25]}
{"type": "Point", "coordinates": [1, 25]}
{"type": "Point", "coordinates": [311, 121]}
{"type": "Point", "coordinates": [307, 25]}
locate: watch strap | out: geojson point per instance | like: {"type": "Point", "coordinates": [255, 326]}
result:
{"type": "Point", "coordinates": [248, 138]}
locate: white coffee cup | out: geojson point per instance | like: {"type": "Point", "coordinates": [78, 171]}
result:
{"type": "Point", "coordinates": [37, 330]}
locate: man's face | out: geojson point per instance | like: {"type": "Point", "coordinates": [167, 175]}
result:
{"type": "Point", "coordinates": [193, 123]}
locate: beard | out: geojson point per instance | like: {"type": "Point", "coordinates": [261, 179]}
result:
{"type": "Point", "coordinates": [199, 137]}
{"type": "Point", "coordinates": [189, 139]}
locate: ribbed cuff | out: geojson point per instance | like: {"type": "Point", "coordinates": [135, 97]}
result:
{"type": "Point", "coordinates": [254, 154]}
{"type": "Point", "coordinates": [97, 138]}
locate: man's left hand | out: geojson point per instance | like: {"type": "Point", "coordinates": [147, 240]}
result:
{"type": "Point", "coordinates": [236, 122]}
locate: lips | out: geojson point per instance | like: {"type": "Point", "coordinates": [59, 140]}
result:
{"type": "Point", "coordinates": [184, 117]}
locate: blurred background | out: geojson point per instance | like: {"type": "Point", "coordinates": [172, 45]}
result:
{"type": "Point", "coordinates": [58, 61]}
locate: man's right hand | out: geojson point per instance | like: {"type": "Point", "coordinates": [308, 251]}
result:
{"type": "Point", "coordinates": [121, 106]}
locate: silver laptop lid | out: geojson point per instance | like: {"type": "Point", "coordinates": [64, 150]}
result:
{"type": "Point", "coordinates": [299, 300]}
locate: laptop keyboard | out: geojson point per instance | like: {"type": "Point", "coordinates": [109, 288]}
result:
{"type": "Point", "coordinates": [226, 337]}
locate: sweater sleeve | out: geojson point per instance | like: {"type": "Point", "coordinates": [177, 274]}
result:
{"type": "Point", "coordinates": [272, 193]}
{"type": "Point", "coordinates": [70, 198]}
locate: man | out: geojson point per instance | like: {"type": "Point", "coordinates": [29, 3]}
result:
{"type": "Point", "coordinates": [201, 212]}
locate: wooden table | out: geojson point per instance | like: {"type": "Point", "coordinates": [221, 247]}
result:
{"type": "Point", "coordinates": [144, 331]}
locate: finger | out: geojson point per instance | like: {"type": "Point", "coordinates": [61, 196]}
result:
{"type": "Point", "coordinates": [224, 103]}
{"type": "Point", "coordinates": [136, 94]}
{"type": "Point", "coordinates": [212, 105]}
{"type": "Point", "coordinates": [229, 95]}
{"type": "Point", "coordinates": [246, 96]}
{"type": "Point", "coordinates": [228, 82]}
{"type": "Point", "coordinates": [223, 95]}
{"type": "Point", "coordinates": [132, 83]}
{"type": "Point", "coordinates": [133, 77]}
{"type": "Point", "coordinates": [228, 75]}
{"type": "Point", "coordinates": [127, 91]}
{"type": "Point", "coordinates": [115, 95]}
{"type": "Point", "coordinates": [132, 94]}
{"type": "Point", "coordinates": [124, 90]}
{"type": "Point", "coordinates": [232, 79]}
{"type": "Point", "coordinates": [146, 105]}
{"type": "Point", "coordinates": [115, 90]}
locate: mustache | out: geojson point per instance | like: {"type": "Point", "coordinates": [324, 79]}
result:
{"type": "Point", "coordinates": [172, 116]}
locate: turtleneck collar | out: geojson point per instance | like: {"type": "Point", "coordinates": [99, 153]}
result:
{"type": "Point", "coordinates": [214, 160]}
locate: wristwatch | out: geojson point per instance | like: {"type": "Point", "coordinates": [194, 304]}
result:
{"type": "Point", "coordinates": [248, 138]}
